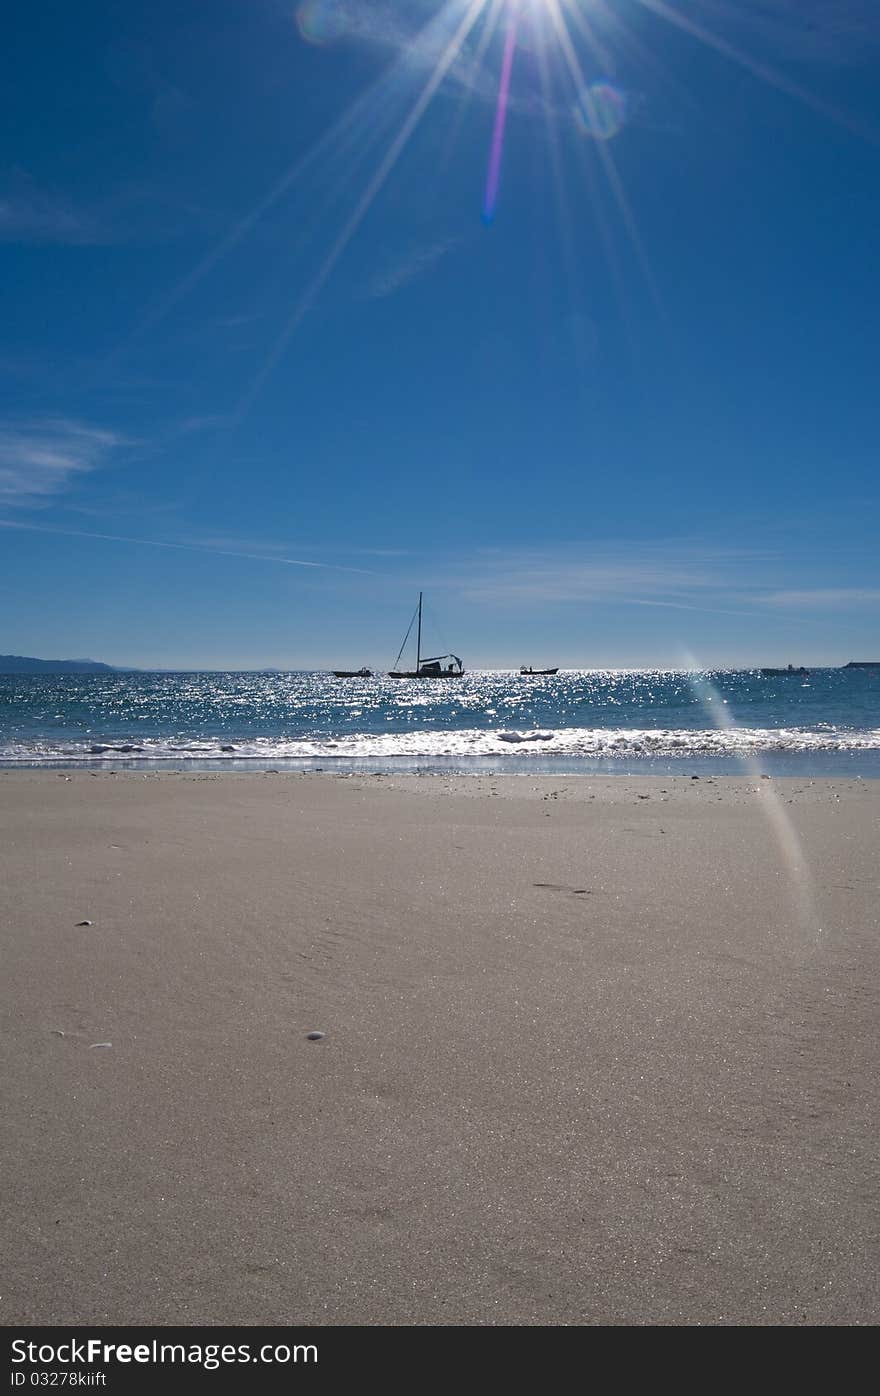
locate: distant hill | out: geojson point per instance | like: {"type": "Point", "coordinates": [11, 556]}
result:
{"type": "Point", "coordinates": [20, 664]}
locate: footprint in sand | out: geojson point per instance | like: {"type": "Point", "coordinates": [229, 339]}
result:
{"type": "Point", "coordinates": [560, 887]}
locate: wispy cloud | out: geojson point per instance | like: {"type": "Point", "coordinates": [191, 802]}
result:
{"type": "Point", "coordinates": [206, 422]}
{"type": "Point", "coordinates": [29, 214]}
{"type": "Point", "coordinates": [822, 597]}
{"type": "Point", "coordinates": [235, 322]}
{"type": "Point", "coordinates": [670, 573]}
{"type": "Point", "coordinates": [409, 268]}
{"type": "Point", "coordinates": [39, 459]}
{"type": "Point", "coordinates": [34, 215]}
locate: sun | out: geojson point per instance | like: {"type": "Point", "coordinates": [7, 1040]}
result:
{"type": "Point", "coordinates": [566, 63]}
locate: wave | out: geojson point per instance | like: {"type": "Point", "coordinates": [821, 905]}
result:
{"type": "Point", "coordinates": [592, 742]}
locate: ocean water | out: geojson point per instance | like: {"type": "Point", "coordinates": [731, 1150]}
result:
{"type": "Point", "coordinates": [827, 722]}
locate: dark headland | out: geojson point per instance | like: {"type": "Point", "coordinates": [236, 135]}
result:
{"type": "Point", "coordinates": [22, 664]}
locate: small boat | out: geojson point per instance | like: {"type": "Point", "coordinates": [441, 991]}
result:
{"type": "Point", "coordinates": [789, 670]}
{"type": "Point", "coordinates": [530, 672]}
{"type": "Point", "coordinates": [353, 673]}
{"type": "Point", "coordinates": [439, 666]}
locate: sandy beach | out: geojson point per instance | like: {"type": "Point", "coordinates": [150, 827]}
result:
{"type": "Point", "coordinates": [597, 1050]}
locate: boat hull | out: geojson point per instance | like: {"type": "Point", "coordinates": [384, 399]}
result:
{"type": "Point", "coordinates": [413, 674]}
{"type": "Point", "coordinates": [352, 673]}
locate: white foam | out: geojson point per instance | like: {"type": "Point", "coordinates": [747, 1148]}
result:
{"type": "Point", "coordinates": [601, 742]}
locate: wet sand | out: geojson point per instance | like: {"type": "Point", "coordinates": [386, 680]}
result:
{"type": "Point", "coordinates": [598, 1050]}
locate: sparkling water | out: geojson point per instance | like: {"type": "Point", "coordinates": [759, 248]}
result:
{"type": "Point", "coordinates": [827, 721]}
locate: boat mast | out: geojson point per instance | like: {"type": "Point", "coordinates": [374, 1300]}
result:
{"type": "Point", "coordinates": [419, 638]}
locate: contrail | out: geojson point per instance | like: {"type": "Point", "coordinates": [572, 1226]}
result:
{"type": "Point", "coordinates": [185, 547]}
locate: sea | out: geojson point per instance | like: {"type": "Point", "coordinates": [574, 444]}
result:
{"type": "Point", "coordinates": [826, 722]}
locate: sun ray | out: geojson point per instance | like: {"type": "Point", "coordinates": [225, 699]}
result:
{"type": "Point", "coordinates": [240, 229]}
{"type": "Point", "coordinates": [623, 43]}
{"type": "Point", "coordinates": [563, 209]}
{"type": "Point", "coordinates": [360, 131]}
{"type": "Point", "coordinates": [763, 71]}
{"type": "Point", "coordinates": [588, 34]}
{"type": "Point", "coordinates": [487, 34]}
{"type": "Point", "coordinates": [596, 198]}
{"type": "Point", "coordinates": [351, 122]}
{"type": "Point", "coordinates": [444, 63]}
{"type": "Point", "coordinates": [552, 137]}
{"type": "Point", "coordinates": [611, 173]}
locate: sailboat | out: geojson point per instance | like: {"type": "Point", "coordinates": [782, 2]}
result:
{"type": "Point", "coordinates": [440, 666]}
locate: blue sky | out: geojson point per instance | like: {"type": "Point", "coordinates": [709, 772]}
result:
{"type": "Point", "coordinates": [269, 366]}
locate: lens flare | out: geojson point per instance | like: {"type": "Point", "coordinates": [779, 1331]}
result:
{"type": "Point", "coordinates": [557, 41]}
{"type": "Point", "coordinates": [321, 22]}
{"type": "Point", "coordinates": [600, 111]}
{"type": "Point", "coordinates": [793, 859]}
{"type": "Point", "coordinates": [493, 178]}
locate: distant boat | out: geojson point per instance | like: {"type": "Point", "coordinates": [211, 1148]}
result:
{"type": "Point", "coordinates": [790, 669]}
{"type": "Point", "coordinates": [353, 673]}
{"type": "Point", "coordinates": [527, 673]}
{"type": "Point", "coordinates": [436, 667]}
